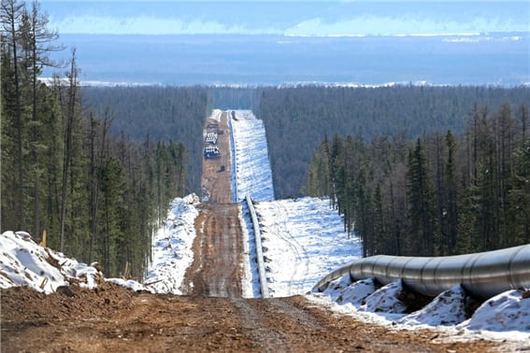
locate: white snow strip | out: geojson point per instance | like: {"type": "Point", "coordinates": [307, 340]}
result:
{"type": "Point", "coordinates": [172, 247]}
{"type": "Point", "coordinates": [252, 168]}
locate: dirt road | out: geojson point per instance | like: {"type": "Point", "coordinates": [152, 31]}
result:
{"type": "Point", "coordinates": [114, 319]}
{"type": "Point", "coordinates": [216, 177]}
{"type": "Point", "coordinates": [217, 266]}
{"type": "Point", "coordinates": [213, 317]}
{"type": "Point", "coordinates": [216, 270]}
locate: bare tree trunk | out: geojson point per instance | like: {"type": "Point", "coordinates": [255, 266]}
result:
{"type": "Point", "coordinates": [70, 114]}
{"type": "Point", "coordinates": [11, 13]}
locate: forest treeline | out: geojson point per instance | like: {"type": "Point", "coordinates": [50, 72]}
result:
{"type": "Point", "coordinates": [297, 119]}
{"type": "Point", "coordinates": [443, 193]}
{"type": "Point", "coordinates": [97, 195]}
{"type": "Point", "coordinates": [159, 113]}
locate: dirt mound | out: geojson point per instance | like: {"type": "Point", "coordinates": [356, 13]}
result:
{"type": "Point", "coordinates": [25, 305]}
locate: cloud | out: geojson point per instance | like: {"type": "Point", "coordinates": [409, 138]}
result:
{"type": "Point", "coordinates": [152, 26]}
{"type": "Point", "coordinates": [384, 25]}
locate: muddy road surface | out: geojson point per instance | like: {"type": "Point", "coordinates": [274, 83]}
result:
{"type": "Point", "coordinates": [114, 319]}
{"type": "Point", "coordinates": [217, 266]}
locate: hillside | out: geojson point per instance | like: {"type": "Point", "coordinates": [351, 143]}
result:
{"type": "Point", "coordinates": [301, 246]}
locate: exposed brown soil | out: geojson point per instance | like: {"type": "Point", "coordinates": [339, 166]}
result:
{"type": "Point", "coordinates": [216, 179]}
{"type": "Point", "coordinates": [217, 264]}
{"type": "Point", "coordinates": [213, 317]}
{"type": "Point", "coordinates": [114, 319]}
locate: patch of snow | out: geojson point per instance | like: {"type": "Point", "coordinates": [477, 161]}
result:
{"type": "Point", "coordinates": [172, 251]}
{"type": "Point", "coordinates": [303, 239]}
{"type": "Point", "coordinates": [131, 284]}
{"type": "Point", "coordinates": [357, 292]}
{"type": "Point", "coordinates": [385, 300]}
{"type": "Point", "coordinates": [508, 311]}
{"type": "Point", "coordinates": [25, 263]}
{"type": "Point", "coordinates": [448, 308]}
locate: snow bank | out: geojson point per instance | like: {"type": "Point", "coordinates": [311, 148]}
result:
{"type": "Point", "coordinates": [172, 251]}
{"type": "Point", "coordinates": [508, 311]}
{"type": "Point", "coordinates": [504, 318]}
{"type": "Point", "coordinates": [25, 263]}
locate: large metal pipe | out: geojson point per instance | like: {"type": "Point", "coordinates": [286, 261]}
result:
{"type": "Point", "coordinates": [483, 274]}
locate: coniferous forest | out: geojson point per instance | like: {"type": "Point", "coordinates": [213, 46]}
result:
{"type": "Point", "coordinates": [98, 195]}
{"type": "Point", "coordinates": [415, 170]}
{"type": "Point", "coordinates": [442, 193]}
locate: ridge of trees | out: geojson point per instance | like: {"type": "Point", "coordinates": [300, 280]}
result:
{"type": "Point", "coordinates": [297, 119]}
{"type": "Point", "coordinates": [99, 196]}
{"type": "Point", "coordinates": [157, 112]}
{"type": "Point", "coordinates": [439, 194]}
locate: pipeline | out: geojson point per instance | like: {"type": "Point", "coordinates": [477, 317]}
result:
{"type": "Point", "coordinates": [483, 274]}
{"type": "Point", "coordinates": [259, 249]}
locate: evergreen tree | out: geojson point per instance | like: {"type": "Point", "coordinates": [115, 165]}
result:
{"type": "Point", "coordinates": [421, 215]}
{"type": "Point", "coordinates": [519, 196]}
{"type": "Point", "coordinates": [450, 215]}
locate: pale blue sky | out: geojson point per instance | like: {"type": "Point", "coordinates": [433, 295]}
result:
{"type": "Point", "coordinates": [304, 18]}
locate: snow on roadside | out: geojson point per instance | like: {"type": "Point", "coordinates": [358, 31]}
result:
{"type": "Point", "coordinates": [172, 251]}
{"type": "Point", "coordinates": [303, 240]}
{"type": "Point", "coordinates": [26, 263]}
{"type": "Point", "coordinates": [504, 319]}
{"type": "Point", "coordinates": [252, 170]}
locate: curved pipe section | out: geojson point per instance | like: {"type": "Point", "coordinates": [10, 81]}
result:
{"type": "Point", "coordinates": [483, 274]}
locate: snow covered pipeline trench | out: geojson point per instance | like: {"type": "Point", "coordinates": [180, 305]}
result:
{"type": "Point", "coordinates": [301, 239]}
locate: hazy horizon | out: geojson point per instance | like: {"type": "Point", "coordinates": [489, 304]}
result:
{"type": "Point", "coordinates": [274, 43]}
